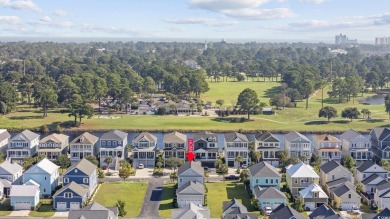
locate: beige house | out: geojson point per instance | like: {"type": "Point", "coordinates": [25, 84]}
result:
{"type": "Point", "coordinates": [333, 170]}
{"type": "Point", "coordinates": [82, 146]}
{"type": "Point", "coordinates": [175, 144]}
{"type": "Point", "coordinates": [313, 197]}
{"type": "Point", "coordinates": [327, 147]}
{"type": "Point", "coordinates": [299, 177]}
{"type": "Point", "coordinates": [53, 146]}
{"type": "Point", "coordinates": [344, 196]}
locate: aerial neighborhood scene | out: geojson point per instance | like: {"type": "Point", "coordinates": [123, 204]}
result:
{"type": "Point", "coordinates": [195, 109]}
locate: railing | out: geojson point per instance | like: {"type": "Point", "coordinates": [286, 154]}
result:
{"type": "Point", "coordinates": [18, 156]}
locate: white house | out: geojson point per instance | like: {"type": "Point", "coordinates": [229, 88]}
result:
{"type": "Point", "coordinates": [298, 145]}
{"type": "Point", "coordinates": [313, 196]}
{"type": "Point", "coordinates": [22, 145]}
{"type": "Point", "coordinates": [236, 144]}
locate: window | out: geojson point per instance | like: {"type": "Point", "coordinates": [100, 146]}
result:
{"type": "Point", "coordinates": [257, 180]}
{"type": "Point", "coordinates": [332, 177]}
{"type": "Point", "coordinates": [45, 177]}
{"type": "Point", "coordinates": [276, 180]}
{"type": "Point", "coordinates": [66, 180]}
{"type": "Point", "coordinates": [272, 181]}
{"type": "Point", "coordinates": [103, 143]}
{"type": "Point", "coordinates": [85, 180]}
{"type": "Point", "coordinates": [44, 190]}
{"type": "Point", "coordinates": [266, 180]}
{"type": "Point", "coordinates": [349, 196]}
{"type": "Point", "coordinates": [68, 195]}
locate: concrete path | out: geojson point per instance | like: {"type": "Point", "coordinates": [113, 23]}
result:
{"type": "Point", "coordinates": [152, 199]}
{"type": "Point", "coordinates": [20, 213]}
{"type": "Point", "coordinates": [63, 214]}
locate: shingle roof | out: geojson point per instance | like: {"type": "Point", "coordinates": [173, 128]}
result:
{"type": "Point", "coordinates": [4, 134]}
{"type": "Point", "coordinates": [284, 211]}
{"type": "Point", "coordinates": [230, 137]}
{"type": "Point", "coordinates": [307, 192]}
{"type": "Point", "coordinates": [5, 183]}
{"type": "Point", "coordinates": [193, 186]}
{"type": "Point", "coordinates": [370, 178]}
{"type": "Point", "coordinates": [147, 136]}
{"type": "Point", "coordinates": [350, 135]}
{"type": "Point", "coordinates": [270, 192]}
{"type": "Point", "coordinates": [302, 170]}
{"type": "Point", "coordinates": [84, 166]}
{"type": "Point", "coordinates": [23, 190]}
{"type": "Point", "coordinates": [326, 138]}
{"type": "Point", "coordinates": [94, 211]}
{"type": "Point", "coordinates": [205, 135]}
{"type": "Point", "coordinates": [190, 211]}
{"type": "Point", "coordinates": [383, 214]}
{"type": "Point", "coordinates": [381, 133]}
{"type": "Point", "coordinates": [263, 169]}
{"type": "Point", "coordinates": [336, 182]}
{"type": "Point", "coordinates": [323, 211]}
{"type": "Point", "coordinates": [31, 182]}
{"type": "Point", "coordinates": [267, 137]}
{"type": "Point", "coordinates": [365, 165]}
{"type": "Point", "coordinates": [114, 135]}
{"type": "Point", "coordinates": [46, 165]}
{"type": "Point", "coordinates": [241, 216]}
{"type": "Point", "coordinates": [28, 135]}
{"type": "Point", "coordinates": [57, 138]}
{"type": "Point", "coordinates": [195, 166]}
{"type": "Point", "coordinates": [175, 137]}
{"type": "Point", "coordinates": [238, 208]}
{"type": "Point", "coordinates": [11, 168]}
{"type": "Point", "coordinates": [330, 165]}
{"type": "Point", "coordinates": [294, 135]}
{"type": "Point", "coordinates": [341, 190]}
{"type": "Point", "coordinates": [382, 186]}
{"type": "Point", "coordinates": [78, 189]}
{"type": "Point", "coordinates": [85, 138]}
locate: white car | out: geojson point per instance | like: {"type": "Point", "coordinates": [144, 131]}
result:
{"type": "Point", "coordinates": [268, 210]}
{"type": "Point", "coordinates": [141, 166]}
{"type": "Point", "coordinates": [355, 210]}
{"type": "Point", "coordinates": [244, 166]}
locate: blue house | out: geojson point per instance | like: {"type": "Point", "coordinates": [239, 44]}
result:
{"type": "Point", "coordinates": [269, 197]}
{"type": "Point", "coordinates": [264, 175]}
{"type": "Point", "coordinates": [45, 173]}
{"type": "Point", "coordinates": [84, 173]}
{"type": "Point", "coordinates": [24, 197]}
{"type": "Point", "coordinates": [72, 196]}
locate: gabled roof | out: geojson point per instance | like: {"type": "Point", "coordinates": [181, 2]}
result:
{"type": "Point", "coordinates": [269, 192]}
{"type": "Point", "coordinates": [241, 216]}
{"type": "Point", "coordinates": [46, 165]}
{"type": "Point", "coordinates": [5, 183]}
{"type": "Point", "coordinates": [231, 137]}
{"type": "Point", "coordinates": [291, 136]}
{"type": "Point", "coordinates": [23, 190]}
{"type": "Point", "coordinates": [381, 133]}
{"type": "Point", "coordinates": [365, 165]}
{"type": "Point", "coordinates": [263, 169]}
{"type": "Point", "coordinates": [195, 166]}
{"type": "Point", "coordinates": [85, 138]}
{"type": "Point", "coordinates": [302, 170]}
{"type": "Point", "coordinates": [149, 137]}
{"type": "Point", "coordinates": [326, 138]}
{"type": "Point", "coordinates": [190, 212]}
{"type": "Point", "coordinates": [4, 134]}
{"type": "Point", "coordinates": [114, 135]}
{"type": "Point", "coordinates": [342, 189]}
{"type": "Point", "coordinates": [337, 182]}
{"type": "Point", "coordinates": [267, 137]}
{"type": "Point", "coordinates": [84, 166]}
{"type": "Point", "coordinates": [204, 135]}
{"type": "Point", "coordinates": [94, 211]}
{"type": "Point", "coordinates": [31, 182]}
{"type": "Point", "coordinates": [331, 165]}
{"type": "Point", "coordinates": [76, 188]}
{"type": "Point", "coordinates": [191, 188]}
{"type": "Point", "coordinates": [371, 178]}
{"type": "Point", "coordinates": [284, 211]}
{"type": "Point", "coordinates": [350, 135]}
{"type": "Point", "coordinates": [383, 214]}
{"type": "Point", "coordinates": [308, 192]}
{"type": "Point", "coordinates": [11, 168]}
{"type": "Point", "coordinates": [233, 207]}
{"type": "Point", "coordinates": [322, 212]}
{"type": "Point", "coordinates": [382, 186]}
{"type": "Point", "coordinates": [175, 137]}
{"type": "Point", "coordinates": [27, 134]}
{"type": "Point", "coordinates": [57, 138]}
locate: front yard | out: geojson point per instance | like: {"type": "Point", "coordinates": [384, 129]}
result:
{"type": "Point", "coordinates": [168, 194]}
{"type": "Point", "coordinates": [45, 210]}
{"type": "Point", "coordinates": [132, 193]}
{"type": "Point", "coordinates": [5, 208]}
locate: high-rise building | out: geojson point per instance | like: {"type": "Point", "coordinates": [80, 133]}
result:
{"type": "Point", "coordinates": [382, 40]}
{"type": "Point", "coordinates": [343, 40]}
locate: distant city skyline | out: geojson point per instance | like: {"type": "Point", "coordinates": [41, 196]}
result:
{"type": "Point", "coordinates": [234, 20]}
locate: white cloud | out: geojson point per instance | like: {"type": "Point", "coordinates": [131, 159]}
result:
{"type": "Point", "coordinates": [313, 1]}
{"type": "Point", "coordinates": [20, 5]}
{"type": "Point", "coordinates": [10, 20]}
{"type": "Point", "coordinates": [177, 29]}
{"type": "Point", "coordinates": [61, 13]}
{"type": "Point", "coordinates": [218, 5]}
{"type": "Point", "coordinates": [201, 20]}
{"type": "Point", "coordinates": [260, 14]}
{"type": "Point", "coordinates": [46, 19]}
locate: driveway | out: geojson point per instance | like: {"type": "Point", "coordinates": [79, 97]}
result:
{"type": "Point", "coordinates": [63, 214]}
{"type": "Point", "coordinates": [20, 213]}
{"type": "Point", "coordinates": [152, 199]}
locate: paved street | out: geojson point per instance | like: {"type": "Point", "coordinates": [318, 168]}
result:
{"type": "Point", "coordinates": [152, 199]}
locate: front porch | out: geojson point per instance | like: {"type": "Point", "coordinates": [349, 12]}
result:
{"type": "Point", "coordinates": [361, 155]}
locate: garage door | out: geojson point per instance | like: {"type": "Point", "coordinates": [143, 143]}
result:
{"type": "Point", "coordinates": [310, 206]}
{"type": "Point", "coordinates": [74, 205]}
{"type": "Point", "coordinates": [22, 206]}
{"type": "Point", "coordinates": [61, 206]}
{"type": "Point", "coordinates": [345, 206]}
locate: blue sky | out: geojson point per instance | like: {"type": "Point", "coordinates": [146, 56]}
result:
{"type": "Point", "coordinates": [260, 20]}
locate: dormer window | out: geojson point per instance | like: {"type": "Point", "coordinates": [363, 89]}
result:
{"type": "Point", "coordinates": [68, 195]}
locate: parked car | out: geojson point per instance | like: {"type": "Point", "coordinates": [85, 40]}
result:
{"type": "Point", "coordinates": [141, 166]}
{"type": "Point", "coordinates": [105, 167]}
{"type": "Point", "coordinates": [268, 210]}
{"type": "Point", "coordinates": [355, 210]}
{"type": "Point", "coordinates": [231, 177]}
{"type": "Point", "coordinates": [244, 166]}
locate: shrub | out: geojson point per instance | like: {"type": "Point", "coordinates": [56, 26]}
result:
{"type": "Point", "coordinates": [44, 129]}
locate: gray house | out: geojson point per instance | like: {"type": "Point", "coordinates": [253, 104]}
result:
{"type": "Point", "coordinates": [234, 209]}
{"type": "Point", "coordinates": [265, 175]}
{"type": "Point", "coordinates": [4, 139]}
{"type": "Point", "coordinates": [144, 149]}
{"type": "Point", "coordinates": [269, 147]}
{"type": "Point", "coordinates": [175, 144]}
{"type": "Point", "coordinates": [269, 197]}
{"type": "Point", "coordinates": [324, 212]}
{"type": "Point", "coordinates": [94, 211]}
{"type": "Point", "coordinates": [313, 197]}
{"type": "Point", "coordinates": [206, 148]}
{"type": "Point", "coordinates": [190, 172]}
{"type": "Point", "coordinates": [346, 195]}
{"type": "Point", "coordinates": [236, 144]}
{"type": "Point", "coordinates": [370, 174]}
{"type": "Point", "coordinates": [22, 145]}
{"type": "Point", "coordinates": [380, 138]}
{"type": "Point", "coordinates": [113, 144]}
{"type": "Point", "coordinates": [191, 192]}
{"type": "Point", "coordinates": [10, 171]}
{"type": "Point", "coordinates": [333, 170]}
{"type": "Point", "coordinates": [356, 145]}
{"type": "Point", "coordinates": [285, 211]}
{"type": "Point", "coordinates": [191, 211]}
{"type": "Point", "coordinates": [298, 145]}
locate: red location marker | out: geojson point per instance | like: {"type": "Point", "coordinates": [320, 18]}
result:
{"type": "Point", "coordinates": [190, 156]}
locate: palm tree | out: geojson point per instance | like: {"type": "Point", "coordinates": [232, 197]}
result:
{"type": "Point", "coordinates": [108, 161]}
{"type": "Point", "coordinates": [239, 160]}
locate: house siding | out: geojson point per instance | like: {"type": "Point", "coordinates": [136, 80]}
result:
{"type": "Point", "coordinates": [79, 179]}
{"type": "Point", "coordinates": [76, 198]}
{"type": "Point", "coordinates": [270, 202]}
{"type": "Point", "coordinates": [262, 182]}
{"type": "Point", "coordinates": [337, 173]}
{"type": "Point", "coordinates": [33, 200]}
{"type": "Point", "coordinates": [48, 185]}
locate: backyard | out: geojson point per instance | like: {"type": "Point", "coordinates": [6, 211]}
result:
{"type": "Point", "coordinates": [169, 193]}
{"type": "Point", "coordinates": [132, 193]}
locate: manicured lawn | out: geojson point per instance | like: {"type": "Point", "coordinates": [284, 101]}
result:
{"type": "Point", "coordinates": [132, 193]}
{"type": "Point", "coordinates": [43, 211]}
{"type": "Point", "coordinates": [5, 208]}
{"type": "Point", "coordinates": [219, 192]}
{"type": "Point", "coordinates": [169, 193]}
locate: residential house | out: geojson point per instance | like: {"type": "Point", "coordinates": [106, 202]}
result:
{"type": "Point", "coordinates": [299, 177]}
{"type": "Point", "coordinates": [264, 175]}
{"type": "Point", "coordinates": [285, 211]}
{"type": "Point", "coordinates": [71, 196]}
{"type": "Point", "coordinates": [269, 147]}
{"type": "Point", "coordinates": [10, 171]}
{"type": "Point", "coordinates": [313, 197]}
{"type": "Point", "coordinates": [234, 209]}
{"type": "Point", "coordinates": [345, 196]}
{"type": "Point", "coordinates": [82, 146]}
{"type": "Point", "coordinates": [269, 197]}
{"type": "Point", "coordinates": [190, 172]}
{"type": "Point", "coordinates": [4, 139]}
{"type": "Point", "coordinates": [113, 144]}
{"type": "Point", "coordinates": [324, 212]}
{"type": "Point", "coordinates": [236, 144]}
{"type": "Point", "coordinates": [297, 145]}
{"type": "Point", "coordinates": [191, 211]}
{"type": "Point", "coordinates": [53, 146]}
{"type": "Point", "coordinates": [333, 170]}
{"type": "Point", "coordinates": [22, 145]}
{"type": "Point", "coordinates": [45, 173]}
{"type": "Point", "coordinates": [370, 174]}
{"type": "Point", "coordinates": [380, 138]}
{"type": "Point", "coordinates": [383, 214]}
{"type": "Point", "coordinates": [24, 197]}
{"type": "Point", "coordinates": [206, 148]}
{"type": "Point", "coordinates": [327, 147]}
{"type": "Point", "coordinates": [190, 192]}
{"type": "Point", "coordinates": [144, 149]}
{"type": "Point", "coordinates": [94, 211]}
{"type": "Point", "coordinates": [382, 195]}
{"type": "Point", "coordinates": [356, 145]}
{"type": "Point", "coordinates": [175, 144]}
{"type": "Point", "coordinates": [6, 187]}
{"type": "Point", "coordinates": [84, 173]}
